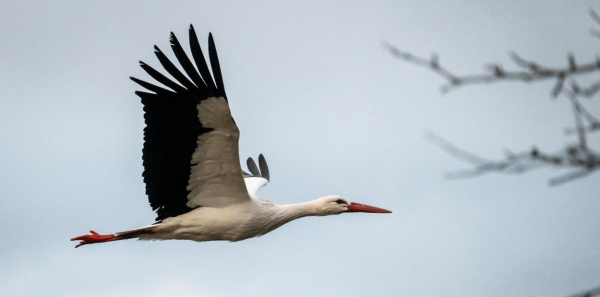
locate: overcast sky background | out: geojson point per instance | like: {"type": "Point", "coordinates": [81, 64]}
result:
{"type": "Point", "coordinates": [312, 88]}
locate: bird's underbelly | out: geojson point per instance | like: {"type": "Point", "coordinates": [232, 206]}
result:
{"type": "Point", "coordinates": [212, 224]}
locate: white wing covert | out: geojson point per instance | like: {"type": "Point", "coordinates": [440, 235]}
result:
{"type": "Point", "coordinates": [216, 177]}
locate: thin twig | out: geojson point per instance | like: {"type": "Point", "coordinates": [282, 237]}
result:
{"type": "Point", "coordinates": [589, 91]}
{"type": "Point", "coordinates": [577, 111]}
{"type": "Point", "coordinates": [516, 163]}
{"type": "Point", "coordinates": [595, 16]}
{"type": "Point", "coordinates": [557, 181]}
{"type": "Point", "coordinates": [455, 151]}
{"type": "Point", "coordinates": [589, 293]}
{"type": "Point", "coordinates": [533, 71]}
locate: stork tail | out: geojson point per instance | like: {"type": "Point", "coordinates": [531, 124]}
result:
{"type": "Point", "coordinates": [99, 238]}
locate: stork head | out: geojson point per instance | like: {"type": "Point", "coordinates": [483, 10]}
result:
{"type": "Point", "coordinates": [334, 204]}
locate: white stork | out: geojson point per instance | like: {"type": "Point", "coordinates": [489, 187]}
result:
{"type": "Point", "coordinates": [192, 170]}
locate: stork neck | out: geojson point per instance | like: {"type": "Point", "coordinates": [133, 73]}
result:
{"type": "Point", "coordinates": [297, 210]}
{"type": "Point", "coordinates": [279, 215]}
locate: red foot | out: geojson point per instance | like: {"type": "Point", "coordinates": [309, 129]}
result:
{"type": "Point", "coordinates": [94, 238]}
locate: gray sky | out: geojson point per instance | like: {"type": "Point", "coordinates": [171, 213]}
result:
{"type": "Point", "coordinates": [311, 87]}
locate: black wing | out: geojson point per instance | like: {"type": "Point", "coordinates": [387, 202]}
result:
{"type": "Point", "coordinates": [172, 124]}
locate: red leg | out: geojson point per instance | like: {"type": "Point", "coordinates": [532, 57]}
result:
{"type": "Point", "coordinates": [94, 238]}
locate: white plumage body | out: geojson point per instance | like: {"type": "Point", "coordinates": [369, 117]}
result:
{"type": "Point", "coordinates": [231, 223]}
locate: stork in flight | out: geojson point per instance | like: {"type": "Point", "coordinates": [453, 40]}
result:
{"type": "Point", "coordinates": [192, 170]}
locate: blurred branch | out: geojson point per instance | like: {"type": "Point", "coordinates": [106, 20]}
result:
{"type": "Point", "coordinates": [580, 158]}
{"type": "Point", "coordinates": [586, 92]}
{"type": "Point", "coordinates": [593, 123]}
{"type": "Point", "coordinates": [589, 293]}
{"type": "Point", "coordinates": [583, 161]}
{"type": "Point", "coordinates": [596, 19]}
{"type": "Point", "coordinates": [531, 72]}
{"type": "Point", "coordinates": [578, 111]}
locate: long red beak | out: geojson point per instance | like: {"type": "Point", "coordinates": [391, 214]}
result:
{"type": "Point", "coordinates": [357, 207]}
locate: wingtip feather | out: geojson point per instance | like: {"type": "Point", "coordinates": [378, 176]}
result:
{"type": "Point", "coordinates": [252, 167]}
{"type": "Point", "coordinates": [264, 168]}
{"type": "Point", "coordinates": [215, 65]}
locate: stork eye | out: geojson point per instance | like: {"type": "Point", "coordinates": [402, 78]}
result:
{"type": "Point", "coordinates": [340, 201]}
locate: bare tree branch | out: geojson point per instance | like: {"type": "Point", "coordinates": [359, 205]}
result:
{"type": "Point", "coordinates": [456, 151]}
{"type": "Point", "coordinates": [580, 157]}
{"type": "Point", "coordinates": [589, 293]}
{"type": "Point", "coordinates": [587, 92]}
{"type": "Point", "coordinates": [532, 71]}
{"type": "Point", "coordinates": [577, 111]}
{"type": "Point", "coordinates": [557, 181]}
{"type": "Point", "coordinates": [516, 163]}
{"type": "Point", "coordinates": [595, 16]}
{"type": "Point", "coordinates": [593, 123]}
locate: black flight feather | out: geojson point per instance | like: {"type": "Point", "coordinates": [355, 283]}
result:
{"type": "Point", "coordinates": [145, 95]}
{"type": "Point", "coordinates": [173, 71]}
{"type": "Point", "coordinates": [199, 59]}
{"type": "Point", "coordinates": [154, 88]}
{"type": "Point", "coordinates": [185, 62]}
{"type": "Point", "coordinates": [161, 78]}
{"type": "Point", "coordinates": [214, 63]}
{"type": "Point", "coordinates": [252, 167]}
{"type": "Point", "coordinates": [264, 169]}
